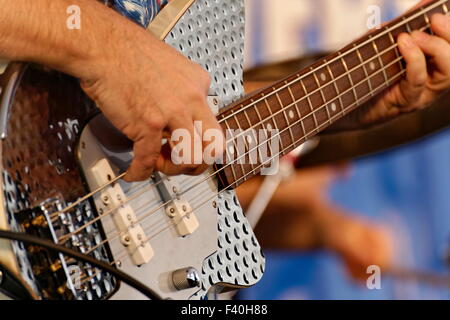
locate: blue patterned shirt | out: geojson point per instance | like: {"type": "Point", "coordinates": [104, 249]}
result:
{"type": "Point", "coordinates": [140, 11]}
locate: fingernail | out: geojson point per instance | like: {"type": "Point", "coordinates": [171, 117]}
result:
{"type": "Point", "coordinates": [442, 21]}
{"type": "Point", "coordinates": [407, 41]}
{"type": "Point", "coordinates": [419, 36]}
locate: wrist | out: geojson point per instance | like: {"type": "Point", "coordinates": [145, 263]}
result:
{"type": "Point", "coordinates": [91, 51]}
{"type": "Point", "coordinates": [112, 50]}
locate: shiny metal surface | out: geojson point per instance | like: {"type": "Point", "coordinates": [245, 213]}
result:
{"type": "Point", "coordinates": [46, 119]}
{"type": "Point", "coordinates": [186, 278]}
{"type": "Point", "coordinates": [37, 150]}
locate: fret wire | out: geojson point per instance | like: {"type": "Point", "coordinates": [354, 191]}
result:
{"type": "Point", "coordinates": [348, 108]}
{"type": "Point", "coordinates": [296, 108]}
{"type": "Point", "coordinates": [322, 94]}
{"type": "Point", "coordinates": [380, 60]}
{"type": "Point", "coordinates": [243, 138]}
{"type": "Point", "coordinates": [407, 25]}
{"type": "Point", "coordinates": [258, 114]}
{"type": "Point", "coordinates": [309, 102]}
{"type": "Point", "coordinates": [444, 6]}
{"type": "Point", "coordinates": [364, 66]}
{"type": "Point", "coordinates": [284, 150]}
{"type": "Point", "coordinates": [235, 149]}
{"type": "Point", "coordinates": [235, 183]}
{"type": "Point", "coordinates": [336, 88]}
{"type": "Point", "coordinates": [253, 133]}
{"type": "Point", "coordinates": [394, 46]}
{"type": "Point", "coordinates": [284, 113]}
{"type": "Point", "coordinates": [428, 21]}
{"type": "Point", "coordinates": [431, 6]}
{"type": "Point", "coordinates": [340, 95]}
{"type": "Point", "coordinates": [305, 135]}
{"type": "Point", "coordinates": [339, 77]}
{"type": "Point", "coordinates": [399, 74]}
{"type": "Point", "coordinates": [350, 78]}
{"type": "Point", "coordinates": [261, 122]}
{"type": "Point", "coordinates": [397, 53]}
{"type": "Point", "coordinates": [272, 119]}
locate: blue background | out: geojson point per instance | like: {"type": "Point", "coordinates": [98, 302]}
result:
{"type": "Point", "coordinates": [407, 189]}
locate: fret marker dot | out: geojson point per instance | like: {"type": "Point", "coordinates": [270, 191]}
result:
{"type": "Point", "coordinates": [231, 149]}
{"type": "Point", "coordinates": [323, 76]}
{"type": "Point", "coordinates": [291, 114]}
{"type": "Point", "coordinates": [372, 66]}
{"type": "Point", "coordinates": [333, 107]}
{"type": "Point", "coordinates": [269, 127]}
{"type": "Point", "coordinates": [249, 139]}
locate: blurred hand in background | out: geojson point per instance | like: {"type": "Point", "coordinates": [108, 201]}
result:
{"type": "Point", "coordinates": [300, 216]}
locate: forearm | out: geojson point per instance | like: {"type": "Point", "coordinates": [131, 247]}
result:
{"type": "Point", "coordinates": [37, 31]}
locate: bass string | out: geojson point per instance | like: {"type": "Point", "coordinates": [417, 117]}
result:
{"type": "Point", "coordinates": [254, 170]}
{"type": "Point", "coordinates": [142, 218]}
{"type": "Point", "coordinates": [211, 176]}
{"type": "Point", "coordinates": [223, 168]}
{"type": "Point", "coordinates": [63, 238]}
{"type": "Point", "coordinates": [250, 173]}
{"type": "Point", "coordinates": [388, 29]}
{"type": "Point", "coordinates": [283, 109]}
{"type": "Point", "coordinates": [295, 102]}
{"type": "Point", "coordinates": [124, 254]}
{"type": "Point", "coordinates": [110, 211]}
{"type": "Point", "coordinates": [135, 187]}
{"type": "Point", "coordinates": [402, 72]}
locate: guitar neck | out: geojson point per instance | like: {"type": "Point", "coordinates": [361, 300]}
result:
{"type": "Point", "coordinates": [307, 102]}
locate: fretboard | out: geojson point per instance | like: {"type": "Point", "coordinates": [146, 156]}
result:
{"type": "Point", "coordinates": [305, 103]}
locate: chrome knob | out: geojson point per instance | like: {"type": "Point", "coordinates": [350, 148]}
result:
{"type": "Point", "coordinates": [186, 278]}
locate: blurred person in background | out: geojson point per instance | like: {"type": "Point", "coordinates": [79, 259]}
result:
{"type": "Point", "coordinates": [301, 217]}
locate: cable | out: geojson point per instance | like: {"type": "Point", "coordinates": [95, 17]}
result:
{"type": "Point", "coordinates": [26, 238]}
{"type": "Point", "coordinates": [13, 286]}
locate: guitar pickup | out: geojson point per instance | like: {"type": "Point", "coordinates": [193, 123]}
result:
{"type": "Point", "coordinates": [184, 219]}
{"type": "Point", "coordinates": [179, 210]}
{"type": "Point", "coordinates": [112, 201]}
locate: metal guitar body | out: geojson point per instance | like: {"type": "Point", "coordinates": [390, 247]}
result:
{"type": "Point", "coordinates": [53, 153]}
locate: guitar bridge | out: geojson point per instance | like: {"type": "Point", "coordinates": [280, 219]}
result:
{"type": "Point", "coordinates": [58, 276]}
{"type": "Point", "coordinates": [112, 200]}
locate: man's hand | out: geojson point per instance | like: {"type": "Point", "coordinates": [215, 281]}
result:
{"type": "Point", "coordinates": [148, 90]}
{"type": "Point", "coordinates": [145, 88]}
{"type": "Point", "coordinates": [427, 73]}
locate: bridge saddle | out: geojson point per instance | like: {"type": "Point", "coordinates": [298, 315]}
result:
{"type": "Point", "coordinates": [113, 200]}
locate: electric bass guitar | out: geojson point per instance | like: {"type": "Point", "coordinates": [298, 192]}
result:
{"type": "Point", "coordinates": [184, 237]}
